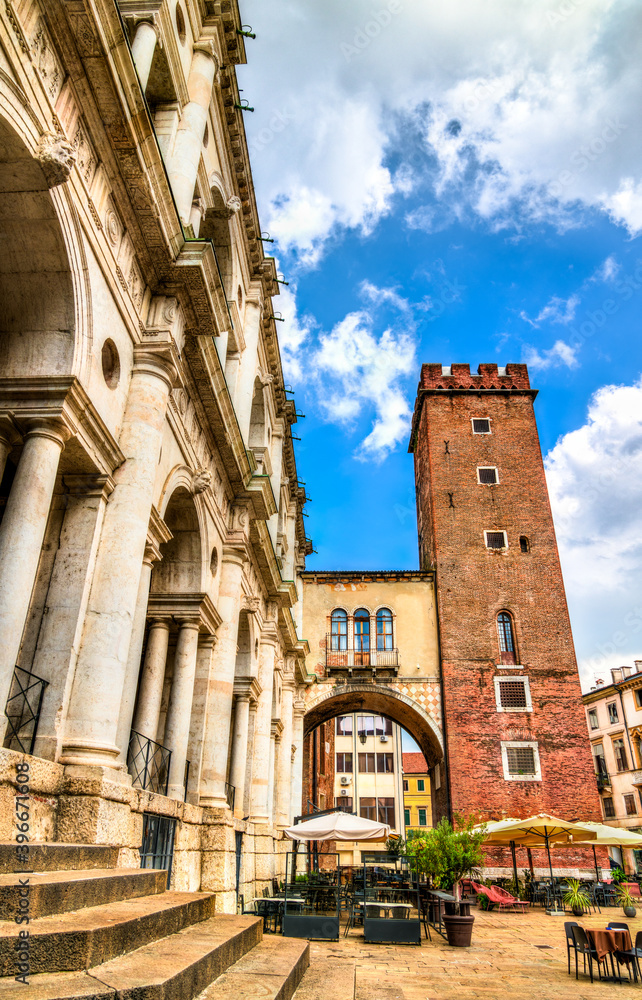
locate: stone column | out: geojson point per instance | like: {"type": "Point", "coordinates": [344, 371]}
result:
{"type": "Point", "coordinates": [200, 709]}
{"type": "Point", "coordinates": [217, 726]}
{"type": "Point", "coordinates": [296, 793]}
{"type": "Point", "coordinates": [239, 749]}
{"type": "Point", "coordinates": [196, 215]}
{"type": "Point", "coordinates": [133, 668]}
{"type": "Point", "coordinates": [248, 368]}
{"type": "Point", "coordinates": [249, 763]}
{"type": "Point", "coordinates": [275, 752]}
{"type": "Point", "coordinates": [180, 704]}
{"type": "Point", "coordinates": [284, 773]}
{"type": "Point", "coordinates": [92, 721]}
{"type": "Point", "coordinates": [277, 464]}
{"type": "Point", "coordinates": [21, 535]}
{"type": "Point", "coordinates": [263, 747]}
{"type": "Point", "coordinates": [143, 48]}
{"type": "Point", "coordinates": [152, 681]}
{"type": "Point", "coordinates": [61, 627]}
{"type": "Point", "coordinates": [188, 144]}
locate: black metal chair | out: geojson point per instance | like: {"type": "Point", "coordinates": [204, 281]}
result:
{"type": "Point", "coordinates": [584, 947]}
{"type": "Point", "coordinates": [570, 940]}
{"type": "Point", "coordinates": [631, 956]}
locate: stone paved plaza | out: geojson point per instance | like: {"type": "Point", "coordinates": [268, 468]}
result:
{"type": "Point", "coordinates": [512, 957]}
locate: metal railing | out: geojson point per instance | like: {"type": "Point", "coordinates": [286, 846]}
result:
{"type": "Point", "coordinates": [230, 794]}
{"type": "Point", "coordinates": [148, 763]}
{"type": "Point", "coordinates": [339, 657]}
{"type": "Point", "coordinates": [23, 710]}
{"type": "Point", "coordinates": [603, 779]}
{"type": "Point", "coordinates": [185, 780]}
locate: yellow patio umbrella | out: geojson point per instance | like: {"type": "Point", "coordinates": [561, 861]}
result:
{"type": "Point", "coordinates": [541, 830]}
{"type": "Point", "coordinates": [610, 836]}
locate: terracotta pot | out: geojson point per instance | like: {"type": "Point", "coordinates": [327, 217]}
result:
{"type": "Point", "coordinates": [459, 930]}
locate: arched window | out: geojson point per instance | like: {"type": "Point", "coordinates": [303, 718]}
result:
{"type": "Point", "coordinates": [384, 629]}
{"type": "Point", "coordinates": [506, 637]}
{"type": "Point", "coordinates": [339, 626]}
{"type": "Point", "coordinates": [361, 637]}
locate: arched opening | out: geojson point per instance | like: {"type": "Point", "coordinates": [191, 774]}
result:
{"type": "Point", "coordinates": [37, 324]}
{"type": "Point", "coordinates": [257, 417]}
{"type": "Point", "coordinates": [245, 661]}
{"type": "Point", "coordinates": [180, 569]}
{"type": "Point", "coordinates": [216, 227]}
{"type": "Point", "coordinates": [506, 636]}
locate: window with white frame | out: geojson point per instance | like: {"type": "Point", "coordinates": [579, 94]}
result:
{"type": "Point", "coordinates": [613, 716]}
{"type": "Point", "coordinates": [487, 475]}
{"type": "Point", "coordinates": [520, 760]}
{"type": "Point", "coordinates": [593, 720]}
{"type": "Point", "coordinates": [495, 540]}
{"type": "Point", "coordinates": [513, 694]}
{"type": "Point", "coordinates": [481, 425]}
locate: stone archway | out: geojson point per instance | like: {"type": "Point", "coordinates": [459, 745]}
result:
{"type": "Point", "coordinates": [378, 700]}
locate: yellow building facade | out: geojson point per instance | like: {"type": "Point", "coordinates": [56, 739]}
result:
{"type": "Point", "coordinates": [416, 793]}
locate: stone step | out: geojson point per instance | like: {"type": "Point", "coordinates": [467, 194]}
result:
{"type": "Point", "coordinates": [69, 942]}
{"type": "Point", "coordinates": [58, 857]}
{"type": "Point", "coordinates": [272, 971]}
{"type": "Point", "coordinates": [60, 892]}
{"type": "Point", "coordinates": [329, 977]}
{"type": "Point", "coordinates": [178, 967]}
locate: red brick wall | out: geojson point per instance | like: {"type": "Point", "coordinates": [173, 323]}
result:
{"type": "Point", "coordinates": [474, 584]}
{"type": "Point", "coordinates": [325, 779]}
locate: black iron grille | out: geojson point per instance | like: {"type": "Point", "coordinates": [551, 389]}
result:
{"type": "Point", "coordinates": [521, 760]}
{"type": "Point", "coordinates": [481, 425]}
{"type": "Point", "coordinates": [495, 540]}
{"type": "Point", "coordinates": [23, 710]}
{"type": "Point", "coordinates": [148, 763]}
{"type": "Point", "coordinates": [488, 475]}
{"type": "Point", "coordinates": [512, 694]}
{"type": "Point", "coordinates": [157, 849]}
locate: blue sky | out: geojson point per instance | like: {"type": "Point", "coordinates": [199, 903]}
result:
{"type": "Point", "coordinates": [459, 184]}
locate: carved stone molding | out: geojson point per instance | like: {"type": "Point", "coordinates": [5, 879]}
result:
{"type": "Point", "coordinates": [265, 378]}
{"type": "Point", "coordinates": [201, 481]}
{"type": "Point", "coordinates": [251, 604]}
{"type": "Point", "coordinates": [185, 607]}
{"type": "Point", "coordinates": [56, 157]}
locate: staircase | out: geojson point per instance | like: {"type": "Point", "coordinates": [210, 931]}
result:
{"type": "Point", "coordinates": [100, 931]}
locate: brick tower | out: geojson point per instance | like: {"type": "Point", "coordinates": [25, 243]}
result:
{"type": "Point", "coordinates": [514, 723]}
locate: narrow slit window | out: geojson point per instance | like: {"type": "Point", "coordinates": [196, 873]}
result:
{"type": "Point", "coordinates": [506, 636]}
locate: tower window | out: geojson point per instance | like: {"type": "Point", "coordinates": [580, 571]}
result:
{"type": "Point", "coordinates": [524, 544]}
{"type": "Point", "coordinates": [384, 629]}
{"type": "Point", "coordinates": [495, 539]}
{"type": "Point", "coordinates": [506, 637]}
{"type": "Point", "coordinates": [487, 475]}
{"type": "Point", "coordinates": [481, 425]}
{"type": "Point", "coordinates": [521, 761]}
{"type": "Point", "coordinates": [339, 625]}
{"type": "Point", "coordinates": [512, 694]}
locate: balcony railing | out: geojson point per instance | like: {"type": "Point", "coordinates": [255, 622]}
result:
{"type": "Point", "coordinates": [230, 794]}
{"type": "Point", "coordinates": [23, 710]}
{"type": "Point", "coordinates": [603, 780]}
{"type": "Point", "coordinates": [148, 763]}
{"type": "Point", "coordinates": [344, 657]}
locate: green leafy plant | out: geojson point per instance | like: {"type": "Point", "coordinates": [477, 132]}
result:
{"type": "Point", "coordinates": [447, 855]}
{"type": "Point", "coordinates": [624, 897]}
{"type": "Point", "coordinates": [618, 875]}
{"type": "Point", "coordinates": [483, 902]}
{"type": "Point", "coordinates": [576, 897]}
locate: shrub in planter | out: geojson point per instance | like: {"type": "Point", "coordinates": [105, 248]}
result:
{"type": "Point", "coordinates": [576, 897]}
{"type": "Point", "coordinates": [447, 855]}
{"type": "Point", "coordinates": [626, 900]}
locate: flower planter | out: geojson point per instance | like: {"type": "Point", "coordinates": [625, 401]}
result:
{"type": "Point", "coordinates": [459, 930]}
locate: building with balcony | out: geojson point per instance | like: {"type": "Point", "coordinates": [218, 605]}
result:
{"type": "Point", "coordinates": [614, 721]}
{"type": "Point", "coordinates": [416, 793]}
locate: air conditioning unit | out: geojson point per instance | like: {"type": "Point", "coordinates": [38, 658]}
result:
{"type": "Point", "coordinates": [343, 791]}
{"type": "Point", "coordinates": [383, 739]}
{"type": "Point", "coordinates": [345, 781]}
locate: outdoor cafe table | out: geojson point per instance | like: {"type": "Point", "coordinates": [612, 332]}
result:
{"type": "Point", "coordinates": [607, 942]}
{"type": "Point", "coordinates": [388, 906]}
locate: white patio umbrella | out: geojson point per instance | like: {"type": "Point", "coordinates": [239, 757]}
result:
{"type": "Point", "coordinates": [541, 830]}
{"type": "Point", "coordinates": [339, 826]}
{"type": "Point", "coordinates": [610, 836]}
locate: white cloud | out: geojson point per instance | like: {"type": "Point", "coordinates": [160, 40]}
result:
{"type": "Point", "coordinates": [523, 108]}
{"type": "Point", "coordinates": [595, 481]}
{"type": "Point", "coordinates": [357, 370]}
{"type": "Point", "coordinates": [557, 310]}
{"type": "Point", "coordinates": [607, 271]}
{"type": "Point", "coordinates": [558, 355]}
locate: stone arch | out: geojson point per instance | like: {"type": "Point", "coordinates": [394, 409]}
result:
{"type": "Point", "coordinates": [379, 700]}
{"type": "Point", "coordinates": [181, 570]}
{"type": "Point", "coordinates": [246, 660]}
{"type": "Point", "coordinates": [43, 292]}
{"type": "Point", "coordinates": [216, 227]}
{"type": "Point", "coordinates": [257, 417]}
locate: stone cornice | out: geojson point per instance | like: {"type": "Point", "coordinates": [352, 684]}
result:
{"type": "Point", "coordinates": [62, 396]}
{"type": "Point", "coordinates": [180, 606]}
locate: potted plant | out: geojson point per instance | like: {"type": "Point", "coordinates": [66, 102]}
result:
{"type": "Point", "coordinates": [626, 900]}
{"type": "Point", "coordinates": [448, 854]}
{"type": "Point", "coordinates": [576, 897]}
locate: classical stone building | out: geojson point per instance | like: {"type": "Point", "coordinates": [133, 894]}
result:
{"type": "Point", "coordinates": [152, 534]}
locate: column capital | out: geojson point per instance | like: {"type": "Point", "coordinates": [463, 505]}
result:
{"type": "Point", "coordinates": [208, 47]}
{"type": "Point", "coordinates": [159, 623]}
{"type": "Point", "coordinates": [188, 621]}
{"type": "Point", "coordinates": [158, 355]}
{"type": "Point", "coordinates": [276, 728]}
{"type": "Point", "coordinates": [53, 428]}
{"type": "Point", "coordinates": [89, 486]}
{"type": "Point", "coordinates": [185, 607]}
{"type": "Point", "coordinates": [247, 688]}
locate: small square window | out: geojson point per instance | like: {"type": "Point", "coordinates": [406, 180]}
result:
{"type": "Point", "coordinates": [609, 808]}
{"type": "Point", "coordinates": [613, 716]}
{"type": "Point", "coordinates": [405, 786]}
{"type": "Point", "coordinates": [495, 540]}
{"type": "Point", "coordinates": [513, 694]}
{"type": "Point", "coordinates": [521, 761]}
{"type": "Point", "coordinates": [481, 425]}
{"type": "Point", "coordinates": [487, 475]}
{"type": "Point", "coordinates": [592, 717]}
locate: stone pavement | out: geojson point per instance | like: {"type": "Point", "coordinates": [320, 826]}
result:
{"type": "Point", "coordinates": [512, 957]}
